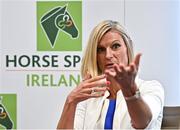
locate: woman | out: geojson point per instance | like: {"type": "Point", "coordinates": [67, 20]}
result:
{"type": "Point", "coordinates": [111, 96]}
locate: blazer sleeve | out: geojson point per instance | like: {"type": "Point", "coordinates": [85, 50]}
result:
{"type": "Point", "coordinates": [152, 93]}
{"type": "Point", "coordinates": [80, 115]}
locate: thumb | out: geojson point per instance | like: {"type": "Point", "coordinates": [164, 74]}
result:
{"type": "Point", "coordinates": [87, 76]}
{"type": "Point", "coordinates": [137, 60]}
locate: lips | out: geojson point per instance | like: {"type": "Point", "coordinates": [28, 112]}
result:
{"type": "Point", "coordinates": [109, 65]}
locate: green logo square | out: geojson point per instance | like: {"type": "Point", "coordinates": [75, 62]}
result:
{"type": "Point", "coordinates": [59, 26]}
{"type": "Point", "coordinates": [8, 111]}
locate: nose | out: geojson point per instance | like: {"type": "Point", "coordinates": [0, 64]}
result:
{"type": "Point", "coordinates": [109, 53]}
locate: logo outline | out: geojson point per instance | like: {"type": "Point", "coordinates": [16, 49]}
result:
{"type": "Point", "coordinates": [59, 30]}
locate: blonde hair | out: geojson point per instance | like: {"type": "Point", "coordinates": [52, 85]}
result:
{"type": "Point", "coordinates": [89, 61]}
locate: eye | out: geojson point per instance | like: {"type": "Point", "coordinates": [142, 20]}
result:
{"type": "Point", "coordinates": [116, 46]}
{"type": "Point", "coordinates": [101, 49]}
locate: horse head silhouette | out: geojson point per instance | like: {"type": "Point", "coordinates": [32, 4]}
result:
{"type": "Point", "coordinates": [5, 120]}
{"type": "Point", "coordinates": [57, 20]}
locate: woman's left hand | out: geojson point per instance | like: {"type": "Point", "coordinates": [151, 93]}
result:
{"type": "Point", "coordinates": [125, 76]}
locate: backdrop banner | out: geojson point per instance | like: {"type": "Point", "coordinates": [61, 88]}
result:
{"type": "Point", "coordinates": [42, 44]}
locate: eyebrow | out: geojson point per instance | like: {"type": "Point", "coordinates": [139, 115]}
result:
{"type": "Point", "coordinates": [116, 41]}
{"type": "Point", "coordinates": [99, 45]}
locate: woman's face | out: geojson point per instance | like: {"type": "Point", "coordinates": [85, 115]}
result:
{"type": "Point", "coordinates": [111, 49]}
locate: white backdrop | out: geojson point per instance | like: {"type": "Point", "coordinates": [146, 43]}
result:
{"type": "Point", "coordinates": [153, 25]}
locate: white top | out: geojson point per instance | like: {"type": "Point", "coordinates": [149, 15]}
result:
{"type": "Point", "coordinates": [91, 113]}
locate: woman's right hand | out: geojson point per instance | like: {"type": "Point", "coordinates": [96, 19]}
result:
{"type": "Point", "coordinates": [88, 88]}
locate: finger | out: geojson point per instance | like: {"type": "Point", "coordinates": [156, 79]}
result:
{"type": "Point", "coordinates": [137, 60]}
{"type": "Point", "coordinates": [94, 90]}
{"type": "Point", "coordinates": [97, 95]}
{"type": "Point", "coordinates": [100, 89]}
{"type": "Point", "coordinates": [110, 73]}
{"type": "Point", "coordinates": [98, 83]}
{"type": "Point", "coordinates": [122, 68]}
{"type": "Point", "coordinates": [87, 76]}
{"type": "Point", "coordinates": [132, 68]}
{"type": "Point", "coordinates": [85, 96]}
{"type": "Point", "coordinates": [117, 69]}
{"type": "Point", "coordinates": [96, 78]}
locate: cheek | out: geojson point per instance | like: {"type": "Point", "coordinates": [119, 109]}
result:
{"type": "Point", "coordinates": [122, 57]}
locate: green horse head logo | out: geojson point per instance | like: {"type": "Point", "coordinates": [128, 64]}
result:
{"type": "Point", "coordinates": [58, 20]}
{"type": "Point", "coordinates": [5, 120]}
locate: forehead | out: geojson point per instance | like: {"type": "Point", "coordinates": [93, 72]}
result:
{"type": "Point", "coordinates": [110, 37]}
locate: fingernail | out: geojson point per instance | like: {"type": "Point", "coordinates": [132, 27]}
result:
{"type": "Point", "coordinates": [108, 82]}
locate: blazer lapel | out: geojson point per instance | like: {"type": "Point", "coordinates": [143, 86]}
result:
{"type": "Point", "coordinates": [94, 108]}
